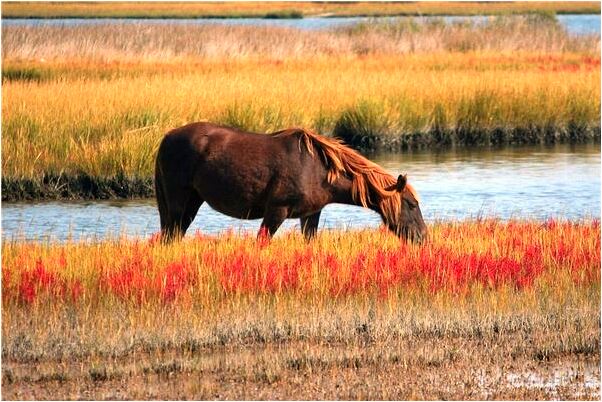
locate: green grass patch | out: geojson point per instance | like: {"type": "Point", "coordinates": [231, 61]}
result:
{"type": "Point", "coordinates": [359, 125]}
{"type": "Point", "coordinates": [25, 74]}
{"type": "Point", "coordinates": [287, 14]}
{"type": "Point", "coordinates": [82, 186]}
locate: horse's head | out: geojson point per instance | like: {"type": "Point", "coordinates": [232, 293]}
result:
{"type": "Point", "coordinates": [409, 224]}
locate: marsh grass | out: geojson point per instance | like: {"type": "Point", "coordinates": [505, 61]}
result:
{"type": "Point", "coordinates": [264, 342]}
{"type": "Point", "coordinates": [110, 127]}
{"type": "Point", "coordinates": [24, 74]}
{"type": "Point", "coordinates": [360, 124]}
{"type": "Point", "coordinates": [76, 187]}
{"type": "Point", "coordinates": [178, 42]}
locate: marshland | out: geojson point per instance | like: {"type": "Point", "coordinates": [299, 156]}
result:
{"type": "Point", "coordinates": [493, 118]}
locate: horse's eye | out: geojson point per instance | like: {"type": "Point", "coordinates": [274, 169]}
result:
{"type": "Point", "coordinates": [411, 203]}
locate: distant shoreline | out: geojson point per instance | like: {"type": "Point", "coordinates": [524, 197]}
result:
{"type": "Point", "coordinates": [267, 17]}
{"type": "Point", "coordinates": [278, 10]}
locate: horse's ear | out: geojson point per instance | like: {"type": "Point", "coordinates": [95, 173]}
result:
{"type": "Point", "coordinates": [401, 183]}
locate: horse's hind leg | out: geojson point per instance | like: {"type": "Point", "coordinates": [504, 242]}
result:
{"type": "Point", "coordinates": [309, 225]}
{"type": "Point", "coordinates": [182, 207]}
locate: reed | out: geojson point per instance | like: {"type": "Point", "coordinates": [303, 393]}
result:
{"type": "Point", "coordinates": [346, 303]}
{"type": "Point", "coordinates": [281, 9]}
{"type": "Point", "coordinates": [178, 43]}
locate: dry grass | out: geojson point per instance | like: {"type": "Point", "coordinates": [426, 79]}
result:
{"type": "Point", "coordinates": [178, 43]}
{"type": "Point", "coordinates": [282, 9]}
{"type": "Point", "coordinates": [472, 351]}
{"type": "Point", "coordinates": [229, 334]}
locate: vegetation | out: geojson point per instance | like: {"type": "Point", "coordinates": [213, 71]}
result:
{"type": "Point", "coordinates": [252, 319]}
{"type": "Point", "coordinates": [176, 43]}
{"type": "Point", "coordinates": [86, 106]}
{"type": "Point", "coordinates": [282, 9]}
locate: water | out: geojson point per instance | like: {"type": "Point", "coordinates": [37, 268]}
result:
{"type": "Point", "coordinates": [580, 24]}
{"type": "Point", "coordinates": [553, 380]}
{"type": "Point", "coordinates": [562, 181]}
{"type": "Point", "coordinates": [574, 23]}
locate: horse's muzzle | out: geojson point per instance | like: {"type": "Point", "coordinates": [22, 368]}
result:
{"type": "Point", "coordinates": [417, 236]}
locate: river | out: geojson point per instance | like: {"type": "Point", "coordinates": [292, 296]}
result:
{"type": "Point", "coordinates": [530, 182]}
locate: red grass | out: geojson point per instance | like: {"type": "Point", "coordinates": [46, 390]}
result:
{"type": "Point", "coordinates": [40, 281]}
{"type": "Point", "coordinates": [489, 254]}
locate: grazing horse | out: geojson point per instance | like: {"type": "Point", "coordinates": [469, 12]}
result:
{"type": "Point", "coordinates": [291, 173]}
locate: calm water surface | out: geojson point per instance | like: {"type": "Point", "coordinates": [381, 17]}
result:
{"type": "Point", "coordinates": [527, 182]}
{"type": "Point", "coordinates": [574, 23]}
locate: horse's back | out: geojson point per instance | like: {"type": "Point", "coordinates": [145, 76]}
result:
{"type": "Point", "coordinates": [203, 142]}
{"type": "Point", "coordinates": [195, 138]}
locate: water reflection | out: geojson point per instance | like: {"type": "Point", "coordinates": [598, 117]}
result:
{"type": "Point", "coordinates": [527, 182]}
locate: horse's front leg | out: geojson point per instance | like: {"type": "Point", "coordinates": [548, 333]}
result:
{"type": "Point", "coordinates": [272, 219]}
{"type": "Point", "coordinates": [309, 225]}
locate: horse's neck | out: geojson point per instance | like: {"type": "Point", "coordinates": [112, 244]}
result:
{"type": "Point", "coordinates": [342, 194]}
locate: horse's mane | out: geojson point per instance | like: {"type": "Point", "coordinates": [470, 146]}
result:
{"type": "Point", "coordinates": [366, 176]}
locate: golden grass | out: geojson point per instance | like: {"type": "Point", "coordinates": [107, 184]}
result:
{"type": "Point", "coordinates": [106, 127]}
{"type": "Point", "coordinates": [283, 9]}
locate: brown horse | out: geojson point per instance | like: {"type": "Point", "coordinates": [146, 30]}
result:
{"type": "Point", "coordinates": [291, 173]}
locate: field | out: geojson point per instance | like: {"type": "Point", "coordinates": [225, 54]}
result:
{"type": "Point", "coordinates": [85, 107]}
{"type": "Point", "coordinates": [282, 9]}
{"type": "Point", "coordinates": [486, 309]}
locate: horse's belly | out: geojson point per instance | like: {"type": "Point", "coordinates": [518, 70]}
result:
{"type": "Point", "coordinates": [237, 196]}
{"type": "Point", "coordinates": [236, 210]}
{"type": "Point", "coordinates": [247, 190]}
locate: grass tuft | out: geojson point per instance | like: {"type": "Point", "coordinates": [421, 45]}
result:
{"type": "Point", "coordinates": [286, 14]}
{"type": "Point", "coordinates": [24, 74]}
{"type": "Point", "coordinates": [360, 125]}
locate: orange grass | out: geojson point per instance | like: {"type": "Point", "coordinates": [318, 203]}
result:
{"type": "Point", "coordinates": [460, 258]}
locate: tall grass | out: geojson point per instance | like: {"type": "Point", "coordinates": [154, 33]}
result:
{"type": "Point", "coordinates": [348, 302]}
{"type": "Point", "coordinates": [110, 127]}
{"type": "Point", "coordinates": [178, 42]}
{"type": "Point", "coordinates": [459, 258]}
